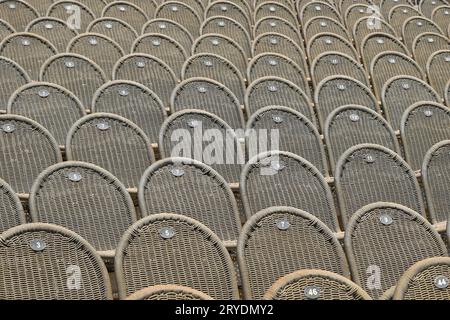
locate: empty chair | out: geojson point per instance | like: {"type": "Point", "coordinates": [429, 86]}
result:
{"type": "Point", "coordinates": [191, 188]}
{"type": "Point", "coordinates": [126, 11]}
{"type": "Point", "coordinates": [148, 6]}
{"type": "Point", "coordinates": [315, 284]}
{"type": "Point", "coordinates": [325, 42]}
{"type": "Point", "coordinates": [28, 148]}
{"type": "Point", "coordinates": [343, 5]}
{"type": "Point", "coordinates": [172, 29]}
{"type": "Point", "coordinates": [355, 12]}
{"type": "Point", "coordinates": [30, 51]}
{"type": "Point", "coordinates": [55, 30]}
{"type": "Point", "coordinates": [278, 25]}
{"type": "Point", "coordinates": [296, 134]}
{"type": "Point", "coordinates": [399, 14]}
{"type": "Point", "coordinates": [440, 16]}
{"type": "Point", "coordinates": [13, 77]}
{"type": "Point", "coordinates": [400, 92]}
{"type": "Point", "coordinates": [68, 11]}
{"type": "Point", "coordinates": [17, 13]}
{"type": "Point", "coordinates": [321, 24]}
{"type": "Point", "coordinates": [275, 91]}
{"type": "Point", "coordinates": [76, 73]}
{"type": "Point", "coordinates": [162, 47]}
{"type": "Point", "coordinates": [181, 13]}
{"type": "Point", "coordinates": [369, 173]}
{"type": "Point", "coordinates": [317, 8]}
{"type": "Point", "coordinates": [245, 5]}
{"type": "Point", "coordinates": [274, 9]}
{"type": "Point", "coordinates": [423, 125]}
{"type": "Point", "coordinates": [278, 241]}
{"type": "Point", "coordinates": [48, 262]}
{"type": "Point", "coordinates": [12, 213]}
{"type": "Point", "coordinates": [351, 125]}
{"type": "Point", "coordinates": [102, 50]}
{"type": "Point", "coordinates": [117, 30]}
{"type": "Point", "coordinates": [426, 44]}
{"type": "Point", "coordinates": [113, 143]}
{"type": "Point", "coordinates": [335, 63]}
{"type": "Point", "coordinates": [230, 10]}
{"type": "Point", "coordinates": [438, 70]}
{"type": "Point", "coordinates": [388, 5]}
{"type": "Point", "coordinates": [279, 178]}
{"type": "Point", "coordinates": [212, 66]}
{"type": "Point", "coordinates": [336, 91]}
{"type": "Point", "coordinates": [168, 292]}
{"type": "Point", "coordinates": [208, 95]}
{"type": "Point", "coordinates": [416, 25]}
{"type": "Point", "coordinates": [383, 240]}
{"type": "Point", "coordinates": [50, 105]}
{"type": "Point", "coordinates": [5, 29]}
{"type": "Point", "coordinates": [95, 5]}
{"type": "Point", "coordinates": [41, 6]}
{"type": "Point", "coordinates": [376, 43]}
{"type": "Point", "coordinates": [428, 6]}
{"type": "Point", "coordinates": [368, 25]}
{"type": "Point", "coordinates": [222, 46]}
{"type": "Point", "coordinates": [149, 71]}
{"type": "Point", "coordinates": [205, 264]}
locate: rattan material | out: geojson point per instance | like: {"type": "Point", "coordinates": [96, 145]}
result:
{"type": "Point", "coordinates": [144, 258]}
{"type": "Point", "coordinates": [5, 29]}
{"type": "Point", "coordinates": [245, 5]}
{"type": "Point", "coordinates": [95, 5]}
{"type": "Point", "coordinates": [280, 178]}
{"type": "Point", "coordinates": [63, 267]}
{"type": "Point", "coordinates": [149, 71]}
{"type": "Point", "coordinates": [230, 10]}
{"type": "Point", "coordinates": [191, 188]}
{"type": "Point", "coordinates": [388, 5]}
{"type": "Point", "coordinates": [351, 125]}
{"type": "Point", "coordinates": [315, 285]}
{"type": "Point", "coordinates": [17, 13]}
{"type": "Point", "coordinates": [343, 5]}
{"type": "Point", "coordinates": [447, 94]}
{"type": "Point", "coordinates": [54, 30]}
{"type": "Point", "coordinates": [208, 95]}
{"type": "Point", "coordinates": [296, 134]}
{"type": "Point", "coordinates": [427, 6]}
{"type": "Point", "coordinates": [425, 44]}
{"type": "Point", "coordinates": [325, 42]}
{"type": "Point", "coordinates": [30, 51]}
{"type": "Point", "coordinates": [367, 25]}
{"type": "Point", "coordinates": [113, 143]}
{"type": "Point", "coordinates": [417, 25]}
{"type": "Point", "coordinates": [274, 9]}
{"type": "Point", "coordinates": [321, 24]}
{"type": "Point", "coordinates": [12, 213]}
{"type": "Point", "coordinates": [13, 77]}
{"type": "Point", "coordinates": [278, 25]}
{"type": "Point", "coordinates": [41, 6]}
{"type": "Point", "coordinates": [281, 240]}
{"type": "Point", "coordinates": [126, 11]}
{"type": "Point", "coordinates": [438, 70]}
{"type": "Point", "coordinates": [51, 105]}
{"type": "Point", "coordinates": [316, 8]}
{"type": "Point", "coordinates": [134, 102]}
{"type": "Point", "coordinates": [376, 43]}
{"type": "Point", "coordinates": [182, 13]}
{"type": "Point", "coordinates": [440, 16]}
{"type": "Point", "coordinates": [169, 292]}
{"type": "Point", "coordinates": [398, 14]}
{"type": "Point", "coordinates": [355, 12]}
{"type": "Point", "coordinates": [383, 240]}
{"type": "Point", "coordinates": [66, 9]}
{"type": "Point", "coordinates": [274, 91]}
{"type": "Point", "coordinates": [423, 125]}
{"type": "Point", "coordinates": [76, 73]}
{"type": "Point", "coordinates": [148, 6]}
{"type": "Point", "coordinates": [119, 31]}
{"type": "Point", "coordinates": [172, 29]}
{"type": "Point", "coordinates": [388, 294]}
{"type": "Point", "coordinates": [27, 149]}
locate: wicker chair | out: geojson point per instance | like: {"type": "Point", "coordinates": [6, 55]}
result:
{"type": "Point", "coordinates": [388, 5]}
{"type": "Point", "coordinates": [126, 11]}
{"type": "Point", "coordinates": [191, 188]}
{"type": "Point", "coordinates": [162, 47]}
{"type": "Point", "coordinates": [417, 25]}
{"type": "Point", "coordinates": [438, 70]}
{"type": "Point", "coordinates": [335, 63]}
{"type": "Point", "coordinates": [355, 12]}
{"type": "Point", "coordinates": [169, 292]}
{"type": "Point", "coordinates": [222, 46]}
{"type": "Point", "coordinates": [5, 29]}
{"type": "Point", "coordinates": [398, 14]}
{"type": "Point", "coordinates": [383, 240]}
{"type": "Point", "coordinates": [99, 48]}
{"type": "Point", "coordinates": [17, 13]}
{"type": "Point", "coordinates": [28, 148]}
{"type": "Point", "coordinates": [389, 64]}
{"type": "Point", "coordinates": [30, 51]}
{"type": "Point", "coordinates": [281, 178]}
{"type": "Point", "coordinates": [378, 42]}
{"type": "Point", "coordinates": [296, 134]}
{"type": "Point", "coordinates": [351, 125]}
{"type": "Point", "coordinates": [423, 125]}
{"type": "Point", "coordinates": [400, 92]}
{"type": "Point", "coordinates": [369, 173]}
{"type": "Point", "coordinates": [47, 262]}
{"type": "Point", "coordinates": [277, 65]}
{"type": "Point", "coordinates": [134, 102]}
{"type": "Point", "coordinates": [12, 213]}
{"type": "Point", "coordinates": [315, 285]}
{"type": "Point", "coordinates": [149, 71]}
{"type": "Point", "coordinates": [51, 105]}
{"type": "Point", "coordinates": [65, 10]}
{"type": "Point", "coordinates": [344, 5]}
{"type": "Point", "coordinates": [246, 6]}
{"type": "Point", "coordinates": [13, 77]}
{"type": "Point", "coordinates": [336, 91]}
{"type": "Point", "coordinates": [41, 6]}
{"type": "Point", "coordinates": [212, 66]}
{"type": "Point", "coordinates": [316, 8]}
{"type": "Point", "coordinates": [113, 143]}
{"type": "Point", "coordinates": [230, 10]}
{"type": "Point", "coordinates": [440, 16]}
{"type": "Point", "coordinates": [274, 9]}
{"type": "Point", "coordinates": [117, 30]}
{"type": "Point", "coordinates": [148, 6]}
{"type": "Point", "coordinates": [426, 44]}
{"type": "Point", "coordinates": [203, 263]}
{"type": "Point", "coordinates": [428, 6]}
{"type": "Point", "coordinates": [182, 14]}
{"type": "Point", "coordinates": [325, 42]}
{"type": "Point", "coordinates": [54, 30]}
{"type": "Point", "coordinates": [367, 25]}
{"type": "Point", "coordinates": [274, 91]}
{"type": "Point", "coordinates": [208, 95]}
{"type": "Point", "coordinates": [172, 29]}
{"type": "Point", "coordinates": [278, 25]}
{"type": "Point", "coordinates": [96, 5]}
{"type": "Point", "coordinates": [278, 241]}
{"type": "Point", "coordinates": [321, 24]}
{"type": "Point", "coordinates": [75, 73]}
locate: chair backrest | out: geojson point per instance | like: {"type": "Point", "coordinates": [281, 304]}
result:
{"type": "Point", "coordinates": [315, 284]}
{"type": "Point", "coordinates": [379, 42]}
{"type": "Point", "coordinates": [55, 30]}
{"type": "Point", "coordinates": [48, 262]}
{"type": "Point", "coordinates": [279, 25]}
{"type": "Point", "coordinates": [398, 14]}
{"type": "Point", "coordinates": [355, 12]}
{"type": "Point", "coordinates": [425, 44]}
{"type": "Point", "coordinates": [5, 29]}
{"type": "Point", "coordinates": [148, 6]}
{"type": "Point", "coordinates": [12, 213]}
{"type": "Point", "coordinates": [315, 8]}
{"type": "Point", "coordinates": [13, 77]}
{"type": "Point", "coordinates": [388, 5]}
{"type": "Point", "coordinates": [383, 240]}
{"type": "Point", "coordinates": [126, 11]}
{"type": "Point", "coordinates": [181, 13]}
{"type": "Point", "coordinates": [205, 264]}
{"type": "Point", "coordinates": [86, 199]}
{"type": "Point", "coordinates": [417, 25]}
{"type": "Point", "coordinates": [447, 94]}
{"type": "Point", "coordinates": [117, 30]}
{"type": "Point", "coordinates": [440, 16]}
{"type": "Point", "coordinates": [324, 42]}
{"type": "Point", "coordinates": [274, 9]}
{"type": "Point", "coordinates": [96, 5]}
{"type": "Point", "coordinates": [17, 13]}
{"type": "Point", "coordinates": [65, 9]}
{"type": "Point", "coordinates": [169, 292]}
{"type": "Point", "coordinates": [230, 10]}
{"type": "Point", "coordinates": [370, 24]}
{"type": "Point", "coordinates": [427, 6]}
{"type": "Point", "coordinates": [322, 24]}
{"type": "Point", "coordinates": [278, 241]}
{"type": "Point", "coordinates": [438, 70]}
{"type": "Point", "coordinates": [41, 6]}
